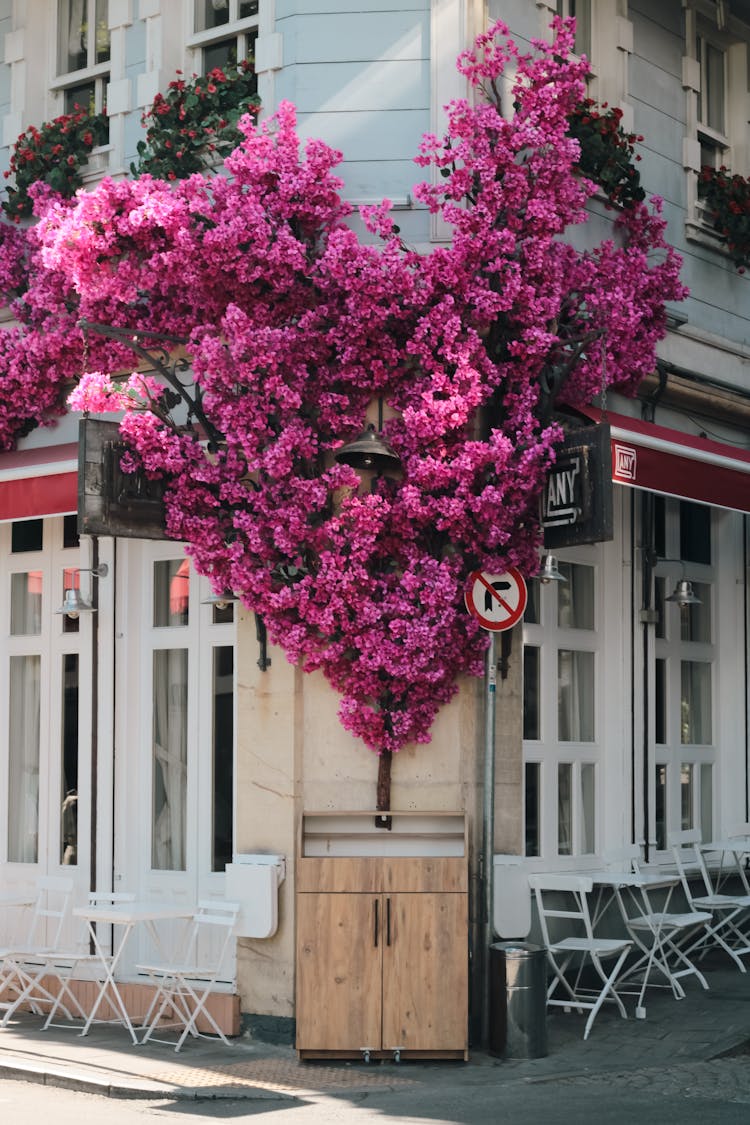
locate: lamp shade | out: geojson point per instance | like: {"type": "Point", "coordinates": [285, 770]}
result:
{"type": "Point", "coordinates": [549, 571]}
{"type": "Point", "coordinates": [368, 451]}
{"type": "Point", "coordinates": [684, 594]}
{"type": "Point", "coordinates": [74, 604]}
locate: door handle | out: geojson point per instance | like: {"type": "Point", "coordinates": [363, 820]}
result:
{"type": "Point", "coordinates": [376, 926]}
{"type": "Point", "coordinates": [387, 921]}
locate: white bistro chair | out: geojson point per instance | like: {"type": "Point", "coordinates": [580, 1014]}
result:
{"type": "Point", "coordinates": [23, 965]}
{"type": "Point", "coordinates": [183, 988]}
{"type": "Point", "coordinates": [564, 898]}
{"type": "Point", "coordinates": [658, 934]}
{"type": "Point", "coordinates": [730, 926]}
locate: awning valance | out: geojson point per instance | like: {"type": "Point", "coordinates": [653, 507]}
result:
{"type": "Point", "coordinates": [672, 463]}
{"type": "Point", "coordinates": [39, 482]}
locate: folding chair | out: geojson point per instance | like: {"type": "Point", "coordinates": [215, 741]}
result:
{"type": "Point", "coordinates": [565, 897]}
{"type": "Point", "coordinates": [63, 964]}
{"type": "Point", "coordinates": [22, 966]}
{"type": "Point", "coordinates": [658, 934]}
{"type": "Point", "coordinates": [182, 990]}
{"type": "Point", "coordinates": [731, 913]}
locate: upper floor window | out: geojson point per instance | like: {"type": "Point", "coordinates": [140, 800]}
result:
{"type": "Point", "coordinates": [225, 32]}
{"type": "Point", "coordinates": [83, 54]}
{"type": "Point", "coordinates": [580, 10]}
{"type": "Point", "coordinates": [712, 101]}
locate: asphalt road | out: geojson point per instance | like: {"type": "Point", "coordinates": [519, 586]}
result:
{"type": "Point", "coordinates": [710, 1093]}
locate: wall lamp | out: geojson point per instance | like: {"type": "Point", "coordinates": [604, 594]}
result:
{"type": "Point", "coordinates": [73, 603]}
{"type": "Point", "coordinates": [221, 601]}
{"type": "Point", "coordinates": [683, 593]}
{"type": "Point", "coordinates": [549, 572]}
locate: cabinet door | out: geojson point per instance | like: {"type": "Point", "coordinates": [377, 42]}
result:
{"type": "Point", "coordinates": [425, 972]}
{"type": "Point", "coordinates": [339, 971]}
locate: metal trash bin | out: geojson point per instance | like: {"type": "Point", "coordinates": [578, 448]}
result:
{"type": "Point", "coordinates": [518, 1000]}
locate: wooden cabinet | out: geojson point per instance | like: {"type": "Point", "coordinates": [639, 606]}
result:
{"type": "Point", "coordinates": [382, 957]}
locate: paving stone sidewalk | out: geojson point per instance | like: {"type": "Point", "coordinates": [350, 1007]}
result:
{"type": "Point", "coordinates": [678, 1037]}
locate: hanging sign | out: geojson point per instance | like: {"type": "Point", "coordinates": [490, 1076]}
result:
{"type": "Point", "coordinates": [110, 501]}
{"type": "Point", "coordinates": [577, 497]}
{"type": "Point", "coordinates": [497, 601]}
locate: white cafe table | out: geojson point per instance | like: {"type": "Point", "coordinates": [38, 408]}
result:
{"type": "Point", "coordinates": [125, 916]}
{"type": "Point", "coordinates": [631, 891]}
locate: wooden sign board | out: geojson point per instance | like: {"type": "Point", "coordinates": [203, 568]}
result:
{"type": "Point", "coordinates": [577, 497]}
{"type": "Point", "coordinates": [110, 501]}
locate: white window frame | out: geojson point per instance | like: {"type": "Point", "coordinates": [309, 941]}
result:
{"type": "Point", "coordinates": [673, 753]}
{"type": "Point", "coordinates": [244, 31]}
{"type": "Point", "coordinates": [704, 24]}
{"type": "Point", "coordinates": [548, 751]}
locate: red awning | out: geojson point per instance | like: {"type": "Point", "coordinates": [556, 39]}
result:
{"type": "Point", "coordinates": [667, 461]}
{"type": "Point", "coordinates": [39, 482]}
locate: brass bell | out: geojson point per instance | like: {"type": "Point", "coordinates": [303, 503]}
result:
{"type": "Point", "coordinates": [368, 451]}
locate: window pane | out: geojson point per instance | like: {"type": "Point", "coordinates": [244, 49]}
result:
{"type": "Point", "coordinates": [531, 725]}
{"type": "Point", "coordinates": [73, 35]}
{"type": "Point", "coordinates": [660, 702]}
{"type": "Point", "coordinates": [659, 595]}
{"type": "Point", "coordinates": [171, 592]}
{"type": "Point", "coordinates": [532, 800]}
{"type": "Point", "coordinates": [712, 80]}
{"type": "Point", "coordinates": [223, 55]}
{"type": "Point", "coordinates": [575, 596]}
{"type": "Point", "coordinates": [101, 39]}
{"type": "Point", "coordinates": [707, 801]}
{"type": "Point", "coordinates": [211, 13]}
{"type": "Point", "coordinates": [564, 809]}
{"type": "Point", "coordinates": [695, 702]}
{"type": "Point", "coordinates": [531, 613]}
{"type": "Point", "coordinates": [70, 531]}
{"type": "Point", "coordinates": [223, 756]}
{"type": "Point", "coordinates": [686, 795]}
{"type": "Point", "coordinates": [575, 696]}
{"type": "Point", "coordinates": [26, 603]}
{"type": "Point", "coordinates": [588, 808]}
{"type": "Point", "coordinates": [27, 535]}
{"type": "Point", "coordinates": [660, 807]}
{"type": "Point", "coordinates": [81, 98]}
{"type": "Point", "coordinates": [169, 830]}
{"type": "Point", "coordinates": [695, 620]}
{"type": "Point", "coordinates": [23, 771]}
{"type": "Point", "coordinates": [695, 532]}
{"type": "Point", "coordinates": [69, 779]}
{"type": "Point", "coordinates": [248, 8]}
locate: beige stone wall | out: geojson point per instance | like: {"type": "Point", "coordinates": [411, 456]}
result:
{"type": "Point", "coordinates": [293, 755]}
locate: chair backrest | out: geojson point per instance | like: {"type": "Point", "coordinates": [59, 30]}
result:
{"type": "Point", "coordinates": [51, 911]}
{"type": "Point", "coordinates": [211, 930]}
{"type": "Point", "coordinates": [109, 898]}
{"type": "Point", "coordinates": [562, 897]}
{"type": "Point", "coordinates": [741, 830]}
{"type": "Point", "coordinates": [689, 860]}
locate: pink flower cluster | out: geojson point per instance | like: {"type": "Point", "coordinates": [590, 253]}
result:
{"type": "Point", "coordinates": [295, 327]}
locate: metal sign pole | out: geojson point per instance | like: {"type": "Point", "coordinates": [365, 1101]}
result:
{"type": "Point", "coordinates": [488, 839]}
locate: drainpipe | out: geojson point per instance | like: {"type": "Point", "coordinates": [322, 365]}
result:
{"type": "Point", "coordinates": [94, 714]}
{"type": "Point", "coordinates": [745, 563]}
{"type": "Point", "coordinates": [488, 833]}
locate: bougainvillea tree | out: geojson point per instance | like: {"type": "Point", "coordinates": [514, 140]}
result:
{"type": "Point", "coordinates": [294, 328]}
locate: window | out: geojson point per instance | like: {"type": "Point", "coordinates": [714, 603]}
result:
{"type": "Point", "coordinates": [580, 10]}
{"type": "Point", "coordinates": [712, 96]}
{"type": "Point", "coordinates": [224, 32]}
{"type": "Point", "coordinates": [83, 55]}
{"type": "Point", "coordinates": [560, 722]}
{"type": "Point", "coordinates": [684, 657]}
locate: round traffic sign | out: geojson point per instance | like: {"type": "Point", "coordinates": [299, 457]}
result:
{"type": "Point", "coordinates": [497, 601]}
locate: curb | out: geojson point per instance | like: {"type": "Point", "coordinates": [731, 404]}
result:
{"type": "Point", "coordinates": [26, 1071]}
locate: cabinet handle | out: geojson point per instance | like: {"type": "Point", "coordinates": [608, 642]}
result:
{"type": "Point", "coordinates": [376, 926]}
{"type": "Point", "coordinates": [388, 921]}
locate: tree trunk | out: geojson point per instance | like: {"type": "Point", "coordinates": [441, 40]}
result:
{"type": "Point", "coordinates": [384, 789]}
